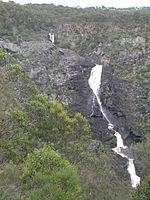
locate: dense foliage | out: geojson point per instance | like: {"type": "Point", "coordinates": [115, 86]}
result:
{"type": "Point", "coordinates": [26, 126]}
{"type": "Point", "coordinates": [47, 176]}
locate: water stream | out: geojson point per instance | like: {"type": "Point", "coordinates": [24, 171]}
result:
{"type": "Point", "coordinates": [95, 84]}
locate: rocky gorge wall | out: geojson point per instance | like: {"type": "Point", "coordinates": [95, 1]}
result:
{"type": "Point", "coordinates": [64, 74]}
{"type": "Point", "coordinates": [123, 50]}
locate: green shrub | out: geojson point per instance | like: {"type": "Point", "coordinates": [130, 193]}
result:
{"type": "Point", "coordinates": [47, 176]}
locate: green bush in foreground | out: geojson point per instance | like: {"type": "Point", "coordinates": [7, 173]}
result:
{"type": "Point", "coordinates": [47, 176]}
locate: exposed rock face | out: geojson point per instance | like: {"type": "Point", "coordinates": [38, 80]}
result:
{"type": "Point", "coordinates": [8, 46]}
{"type": "Point", "coordinates": [66, 74]}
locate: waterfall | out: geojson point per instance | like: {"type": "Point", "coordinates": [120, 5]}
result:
{"type": "Point", "coordinates": [95, 84]}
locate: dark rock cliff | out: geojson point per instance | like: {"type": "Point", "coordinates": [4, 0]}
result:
{"type": "Point", "coordinates": [64, 74]}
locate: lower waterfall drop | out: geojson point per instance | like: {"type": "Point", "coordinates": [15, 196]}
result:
{"type": "Point", "coordinates": [95, 83]}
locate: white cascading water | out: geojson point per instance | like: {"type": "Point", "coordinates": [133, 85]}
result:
{"type": "Point", "coordinates": [95, 83]}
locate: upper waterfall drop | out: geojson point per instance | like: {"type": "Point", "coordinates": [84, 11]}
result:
{"type": "Point", "coordinates": [95, 79]}
{"type": "Point", "coordinates": [95, 84]}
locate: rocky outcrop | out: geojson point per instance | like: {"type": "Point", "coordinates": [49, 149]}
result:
{"type": "Point", "coordinates": [9, 47]}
